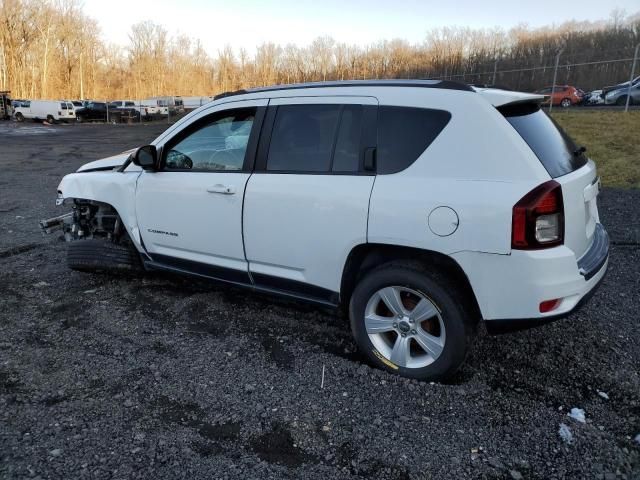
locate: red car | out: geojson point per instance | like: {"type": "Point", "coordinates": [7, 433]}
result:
{"type": "Point", "coordinates": [563, 95]}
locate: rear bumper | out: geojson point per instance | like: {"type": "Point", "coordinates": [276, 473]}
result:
{"type": "Point", "coordinates": [510, 288]}
{"type": "Point", "coordinates": [498, 327]}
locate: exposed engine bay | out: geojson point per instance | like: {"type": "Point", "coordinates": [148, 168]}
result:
{"type": "Point", "coordinates": [89, 219]}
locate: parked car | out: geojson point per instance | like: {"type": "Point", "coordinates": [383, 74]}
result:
{"type": "Point", "coordinates": [98, 111]}
{"type": "Point", "coordinates": [77, 104]}
{"type": "Point", "coordinates": [6, 108]}
{"type": "Point", "coordinates": [361, 196]}
{"type": "Point", "coordinates": [594, 97]}
{"type": "Point", "coordinates": [619, 96]}
{"type": "Point", "coordinates": [563, 95]}
{"type": "Point", "coordinates": [50, 110]}
{"type": "Point", "coordinates": [191, 103]}
{"type": "Point", "coordinates": [619, 86]}
{"type": "Point", "coordinates": [145, 112]}
{"type": "Point", "coordinates": [166, 105]}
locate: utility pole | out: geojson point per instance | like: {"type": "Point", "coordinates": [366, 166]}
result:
{"type": "Point", "coordinates": [633, 71]}
{"type": "Point", "coordinates": [495, 70]}
{"type": "Point", "coordinates": [555, 77]}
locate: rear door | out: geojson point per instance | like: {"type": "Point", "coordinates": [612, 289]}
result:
{"type": "Point", "coordinates": [567, 164]}
{"type": "Point", "coordinates": [306, 203]}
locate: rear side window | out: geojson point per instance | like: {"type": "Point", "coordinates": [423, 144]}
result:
{"type": "Point", "coordinates": [346, 157]}
{"type": "Point", "coordinates": [404, 133]}
{"type": "Point", "coordinates": [554, 148]}
{"type": "Point", "coordinates": [303, 138]}
{"type": "Point", "coordinates": [63, 106]}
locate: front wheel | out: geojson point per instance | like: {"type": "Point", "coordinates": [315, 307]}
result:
{"type": "Point", "coordinates": [102, 255]}
{"type": "Point", "coordinates": [19, 117]}
{"type": "Point", "coordinates": [565, 103]}
{"type": "Point", "coordinates": [411, 322]}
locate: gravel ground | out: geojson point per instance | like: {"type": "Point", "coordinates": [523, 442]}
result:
{"type": "Point", "coordinates": [163, 377]}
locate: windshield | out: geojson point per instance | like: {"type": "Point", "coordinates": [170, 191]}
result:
{"type": "Point", "coordinates": [554, 148]}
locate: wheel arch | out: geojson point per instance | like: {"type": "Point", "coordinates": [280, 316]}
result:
{"type": "Point", "coordinates": [365, 257]}
{"type": "Point", "coordinates": [115, 189]}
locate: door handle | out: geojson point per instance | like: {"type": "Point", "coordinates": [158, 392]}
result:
{"type": "Point", "coordinates": [224, 189]}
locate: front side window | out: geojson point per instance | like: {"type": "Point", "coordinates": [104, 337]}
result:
{"type": "Point", "coordinates": [129, 104]}
{"type": "Point", "coordinates": [219, 144]}
{"type": "Point", "coordinates": [63, 106]}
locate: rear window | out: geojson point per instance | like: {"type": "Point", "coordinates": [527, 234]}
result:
{"type": "Point", "coordinates": [554, 148]}
{"type": "Point", "coordinates": [404, 133]}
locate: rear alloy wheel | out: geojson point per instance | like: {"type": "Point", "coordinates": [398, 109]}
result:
{"type": "Point", "coordinates": [19, 117]}
{"type": "Point", "coordinates": [395, 316]}
{"type": "Point", "coordinates": [410, 322]}
{"type": "Point", "coordinates": [565, 103]}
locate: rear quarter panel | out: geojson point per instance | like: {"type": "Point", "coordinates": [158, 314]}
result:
{"type": "Point", "coordinates": [478, 166]}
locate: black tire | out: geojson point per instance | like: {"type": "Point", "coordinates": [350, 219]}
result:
{"type": "Point", "coordinates": [444, 294]}
{"type": "Point", "coordinates": [565, 102]}
{"type": "Point", "coordinates": [79, 118]}
{"type": "Point", "coordinates": [622, 101]}
{"type": "Point", "coordinates": [97, 255]}
{"type": "Point", "coordinates": [50, 119]}
{"type": "Point", "coordinates": [19, 117]}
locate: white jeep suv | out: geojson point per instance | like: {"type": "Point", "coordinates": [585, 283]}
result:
{"type": "Point", "coordinates": [420, 207]}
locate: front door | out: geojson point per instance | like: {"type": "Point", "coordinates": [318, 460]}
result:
{"type": "Point", "coordinates": [190, 211]}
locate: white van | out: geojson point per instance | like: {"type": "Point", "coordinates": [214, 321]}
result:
{"type": "Point", "coordinates": [165, 105]}
{"type": "Point", "coordinates": [49, 110]}
{"type": "Point", "coordinates": [191, 103]}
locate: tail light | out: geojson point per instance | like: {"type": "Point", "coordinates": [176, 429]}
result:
{"type": "Point", "coordinates": [538, 218]}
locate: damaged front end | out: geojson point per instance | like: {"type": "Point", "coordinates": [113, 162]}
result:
{"type": "Point", "coordinates": [89, 219]}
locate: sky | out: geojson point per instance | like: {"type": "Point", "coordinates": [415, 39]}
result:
{"type": "Point", "coordinates": [246, 23]}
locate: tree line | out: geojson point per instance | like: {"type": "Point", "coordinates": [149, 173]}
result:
{"type": "Point", "coordinates": [51, 49]}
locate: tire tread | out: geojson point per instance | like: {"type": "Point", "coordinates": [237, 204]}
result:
{"type": "Point", "coordinates": [102, 255]}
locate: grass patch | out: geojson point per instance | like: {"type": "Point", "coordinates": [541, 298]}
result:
{"type": "Point", "coordinates": [612, 139]}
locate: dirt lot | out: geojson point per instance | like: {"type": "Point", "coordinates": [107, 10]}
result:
{"type": "Point", "coordinates": [161, 377]}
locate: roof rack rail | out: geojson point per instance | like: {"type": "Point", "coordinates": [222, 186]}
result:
{"type": "Point", "coordinates": [422, 83]}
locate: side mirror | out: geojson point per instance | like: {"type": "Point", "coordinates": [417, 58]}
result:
{"type": "Point", "coordinates": [146, 157]}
